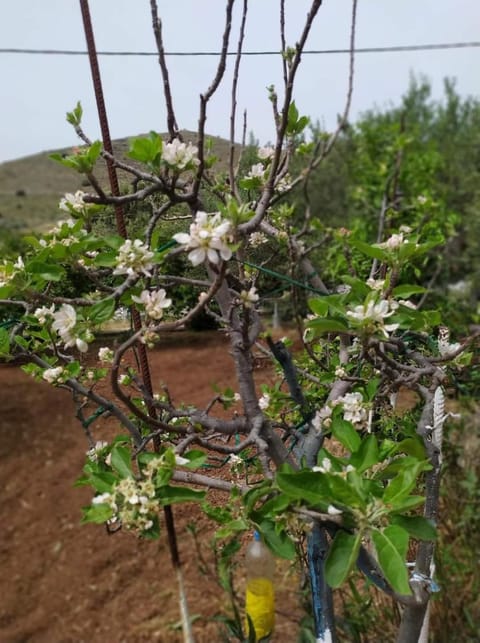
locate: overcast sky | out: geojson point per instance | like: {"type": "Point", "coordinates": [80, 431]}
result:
{"type": "Point", "coordinates": [37, 90]}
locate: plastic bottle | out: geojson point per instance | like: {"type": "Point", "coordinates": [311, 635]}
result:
{"type": "Point", "coordinates": [260, 594]}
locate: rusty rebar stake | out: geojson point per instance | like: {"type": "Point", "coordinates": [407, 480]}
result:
{"type": "Point", "coordinates": [122, 230]}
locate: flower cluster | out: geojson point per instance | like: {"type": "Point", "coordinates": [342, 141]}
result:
{"type": "Point", "coordinates": [53, 375]}
{"type": "Point", "coordinates": [44, 313]}
{"type": "Point", "coordinates": [105, 354]}
{"type": "Point", "coordinates": [154, 302]}
{"type": "Point", "coordinates": [257, 239]}
{"type": "Point", "coordinates": [132, 502]}
{"type": "Point", "coordinates": [371, 316]}
{"type": "Point", "coordinates": [354, 410]}
{"type": "Point", "coordinates": [74, 203]}
{"type": "Point", "coordinates": [207, 240]}
{"type": "Point", "coordinates": [180, 155]}
{"type": "Point", "coordinates": [133, 258]}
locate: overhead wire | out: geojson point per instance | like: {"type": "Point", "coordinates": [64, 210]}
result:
{"type": "Point", "coordinates": [314, 52]}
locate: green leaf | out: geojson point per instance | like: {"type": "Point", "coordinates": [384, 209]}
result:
{"type": "Point", "coordinates": [372, 387]}
{"type": "Point", "coordinates": [344, 492]}
{"type": "Point", "coordinates": [402, 484]}
{"type": "Point", "coordinates": [171, 495]}
{"type": "Point", "coordinates": [97, 513]}
{"type": "Point", "coordinates": [399, 537]}
{"type": "Point", "coordinates": [327, 325]}
{"type": "Point", "coordinates": [292, 117]}
{"type": "Point", "coordinates": [101, 311]}
{"type": "Point", "coordinates": [308, 486]}
{"type": "Point", "coordinates": [342, 557]}
{"type": "Point", "coordinates": [367, 249]}
{"type": "Point", "coordinates": [47, 271]}
{"type": "Point", "coordinates": [146, 149]}
{"type": "Point", "coordinates": [406, 290]}
{"type": "Point", "coordinates": [232, 527]}
{"type": "Point", "coordinates": [106, 259]}
{"type": "Point", "coordinates": [102, 481]}
{"type": "Point", "coordinates": [278, 542]}
{"type": "Point", "coordinates": [346, 434]}
{"type": "Point", "coordinates": [367, 455]}
{"type": "Point", "coordinates": [413, 447]}
{"type": "Point", "coordinates": [391, 562]}
{"type": "Point", "coordinates": [4, 342]}
{"type": "Point", "coordinates": [417, 526]}
{"type": "Point", "coordinates": [405, 504]}
{"type": "Point", "coordinates": [93, 152]}
{"type": "Point", "coordinates": [196, 458]}
{"type": "Point", "coordinates": [319, 306]}
{"type": "Point", "coordinates": [75, 116]}
{"type": "Point", "coordinates": [121, 461]}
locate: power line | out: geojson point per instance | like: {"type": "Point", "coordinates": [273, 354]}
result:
{"type": "Point", "coordinates": [315, 52]}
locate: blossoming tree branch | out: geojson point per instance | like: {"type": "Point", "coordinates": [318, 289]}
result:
{"type": "Point", "coordinates": [323, 461]}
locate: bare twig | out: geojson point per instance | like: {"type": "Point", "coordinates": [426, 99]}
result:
{"type": "Point", "coordinates": [233, 186]}
{"type": "Point", "coordinates": [157, 30]}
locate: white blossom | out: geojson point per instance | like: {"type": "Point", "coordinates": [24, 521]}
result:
{"type": "Point", "coordinates": [133, 258]}
{"type": "Point", "coordinates": [19, 265]}
{"type": "Point", "coordinates": [374, 313]}
{"type": "Point", "coordinates": [323, 418]}
{"type": "Point", "coordinates": [249, 297]}
{"type": "Point", "coordinates": [105, 354]}
{"type": "Point", "coordinates": [52, 375]}
{"type": "Point", "coordinates": [266, 153]}
{"type": "Point", "coordinates": [92, 454]}
{"type": "Point", "coordinates": [407, 303]}
{"type": "Point", "coordinates": [257, 239]}
{"type": "Point", "coordinates": [57, 228]}
{"type": "Point", "coordinates": [154, 302]}
{"type": "Point", "coordinates": [65, 320]}
{"type": "Point", "coordinates": [207, 239]}
{"type": "Point", "coordinates": [283, 184]}
{"type": "Point", "coordinates": [257, 171]}
{"type": "Point", "coordinates": [375, 284]}
{"type": "Point", "coordinates": [179, 154]}
{"type": "Point", "coordinates": [73, 202]}
{"type": "Point", "coordinates": [103, 499]}
{"type": "Point", "coordinates": [264, 401]}
{"type": "Point", "coordinates": [180, 461]}
{"type": "Point", "coordinates": [324, 467]}
{"type": "Point", "coordinates": [124, 380]}
{"type": "Point", "coordinates": [333, 511]}
{"type": "Point", "coordinates": [393, 242]}
{"type": "Point", "coordinates": [44, 313]}
{"type": "Point", "coordinates": [353, 409]}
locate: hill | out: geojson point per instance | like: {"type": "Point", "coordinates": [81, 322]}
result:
{"type": "Point", "coordinates": [31, 187]}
